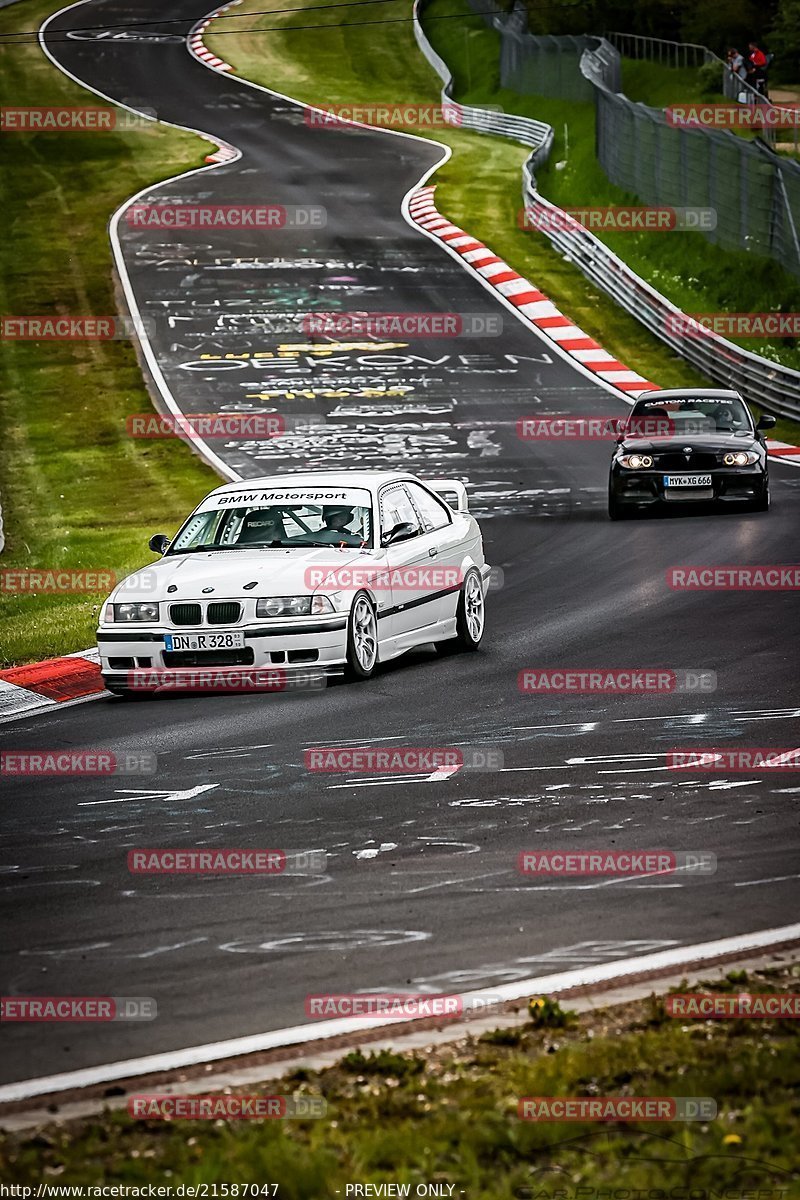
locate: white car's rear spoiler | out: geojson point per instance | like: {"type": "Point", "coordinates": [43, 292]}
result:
{"type": "Point", "coordinates": [453, 492]}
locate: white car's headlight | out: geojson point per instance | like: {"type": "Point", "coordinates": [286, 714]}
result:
{"type": "Point", "coordinates": [293, 606]}
{"type": "Point", "coordinates": [146, 611]}
{"type": "Point", "coordinates": [740, 458]}
{"type": "Point", "coordinates": [635, 461]}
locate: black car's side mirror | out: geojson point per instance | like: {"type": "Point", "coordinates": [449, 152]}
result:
{"type": "Point", "coordinates": [158, 543]}
{"type": "Point", "coordinates": [766, 421]}
{"type": "Point", "coordinates": [398, 533]}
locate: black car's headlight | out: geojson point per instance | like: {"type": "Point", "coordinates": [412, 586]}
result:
{"type": "Point", "coordinates": [740, 458]}
{"type": "Point", "coordinates": [635, 462]}
{"type": "Point", "coordinates": [294, 606]}
{"type": "Point", "coordinates": [144, 611]}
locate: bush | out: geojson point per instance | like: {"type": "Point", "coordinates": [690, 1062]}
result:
{"type": "Point", "coordinates": [710, 78]}
{"type": "Point", "coordinates": [385, 1062]}
{"type": "Point", "coordinates": [546, 1013]}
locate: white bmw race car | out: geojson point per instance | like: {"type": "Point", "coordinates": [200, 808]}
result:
{"type": "Point", "coordinates": [328, 571]}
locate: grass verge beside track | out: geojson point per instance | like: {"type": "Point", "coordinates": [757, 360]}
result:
{"type": "Point", "coordinates": [480, 187]}
{"type": "Point", "coordinates": [77, 493]}
{"type": "Point", "coordinates": [448, 1116]}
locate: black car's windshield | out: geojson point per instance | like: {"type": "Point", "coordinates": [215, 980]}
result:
{"type": "Point", "coordinates": [275, 526]}
{"type": "Point", "coordinates": [688, 416]}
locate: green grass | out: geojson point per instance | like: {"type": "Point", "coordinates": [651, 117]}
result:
{"type": "Point", "coordinates": [77, 492]}
{"type": "Point", "coordinates": [449, 1116]}
{"type": "Point", "coordinates": [480, 186]}
{"type": "Point", "coordinates": [659, 86]}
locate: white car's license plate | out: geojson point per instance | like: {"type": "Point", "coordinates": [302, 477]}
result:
{"type": "Point", "coordinates": [204, 641]}
{"type": "Point", "coordinates": [694, 481]}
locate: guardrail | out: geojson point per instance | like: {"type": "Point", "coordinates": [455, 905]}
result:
{"type": "Point", "coordinates": [774, 387]}
{"type": "Point", "coordinates": [525, 130]}
{"type": "Point", "coordinates": [771, 385]}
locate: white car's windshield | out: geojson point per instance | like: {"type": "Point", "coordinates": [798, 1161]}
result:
{"type": "Point", "coordinates": [273, 526]}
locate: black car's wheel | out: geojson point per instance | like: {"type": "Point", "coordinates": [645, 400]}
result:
{"type": "Point", "coordinates": [362, 638]}
{"type": "Point", "coordinates": [761, 502]}
{"type": "Point", "coordinates": [617, 511]}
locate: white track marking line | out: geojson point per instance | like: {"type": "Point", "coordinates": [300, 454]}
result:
{"type": "Point", "coordinates": [167, 949]}
{"type": "Point", "coordinates": [774, 879]}
{"type": "Point", "coordinates": [165, 794]}
{"type": "Point", "coordinates": [559, 983]}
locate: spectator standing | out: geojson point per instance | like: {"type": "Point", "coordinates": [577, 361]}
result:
{"type": "Point", "coordinates": [736, 63]}
{"type": "Point", "coordinates": [738, 69]}
{"type": "Point", "coordinates": [757, 68]}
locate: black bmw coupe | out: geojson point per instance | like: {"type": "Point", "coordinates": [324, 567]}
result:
{"type": "Point", "coordinates": [689, 447]}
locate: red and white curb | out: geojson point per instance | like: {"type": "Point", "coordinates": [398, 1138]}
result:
{"type": "Point", "coordinates": [539, 311]}
{"type": "Point", "coordinates": [46, 684]}
{"type": "Point", "coordinates": [225, 153]}
{"type": "Point", "coordinates": [784, 450]}
{"type": "Point", "coordinates": [198, 46]}
{"type": "Point", "coordinates": [200, 50]}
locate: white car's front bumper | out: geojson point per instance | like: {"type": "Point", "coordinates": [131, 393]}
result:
{"type": "Point", "coordinates": [298, 645]}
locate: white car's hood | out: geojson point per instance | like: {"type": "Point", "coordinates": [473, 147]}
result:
{"type": "Point", "coordinates": [276, 573]}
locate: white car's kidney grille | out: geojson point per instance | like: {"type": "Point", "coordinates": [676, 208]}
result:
{"type": "Point", "coordinates": [185, 614]}
{"type": "Point", "coordinates": [223, 612]}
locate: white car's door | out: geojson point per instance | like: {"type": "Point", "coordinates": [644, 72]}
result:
{"type": "Point", "coordinates": [450, 532]}
{"type": "Point", "coordinates": [415, 603]}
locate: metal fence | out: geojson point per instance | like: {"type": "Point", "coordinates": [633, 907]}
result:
{"type": "Point", "coordinates": [692, 55]}
{"type": "Point", "coordinates": [536, 66]}
{"type": "Point", "coordinates": [526, 130]}
{"type": "Point", "coordinates": [670, 54]}
{"type": "Point", "coordinates": [686, 55]}
{"type": "Point", "coordinates": [754, 192]}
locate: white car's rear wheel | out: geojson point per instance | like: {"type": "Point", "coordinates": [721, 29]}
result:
{"type": "Point", "coordinates": [362, 638]}
{"type": "Point", "coordinates": [471, 613]}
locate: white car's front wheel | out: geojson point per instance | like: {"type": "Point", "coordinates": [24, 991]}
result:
{"type": "Point", "coordinates": [362, 638]}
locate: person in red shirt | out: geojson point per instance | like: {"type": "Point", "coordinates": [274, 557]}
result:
{"type": "Point", "coordinates": [757, 68]}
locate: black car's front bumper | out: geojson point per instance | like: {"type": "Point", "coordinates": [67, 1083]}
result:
{"type": "Point", "coordinates": [643, 488]}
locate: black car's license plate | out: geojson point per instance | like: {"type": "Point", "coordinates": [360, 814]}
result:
{"type": "Point", "coordinates": [687, 481]}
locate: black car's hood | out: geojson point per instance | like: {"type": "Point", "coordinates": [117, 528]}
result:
{"type": "Point", "coordinates": [718, 440]}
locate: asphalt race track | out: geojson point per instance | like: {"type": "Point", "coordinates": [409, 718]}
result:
{"type": "Point", "coordinates": [421, 890]}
